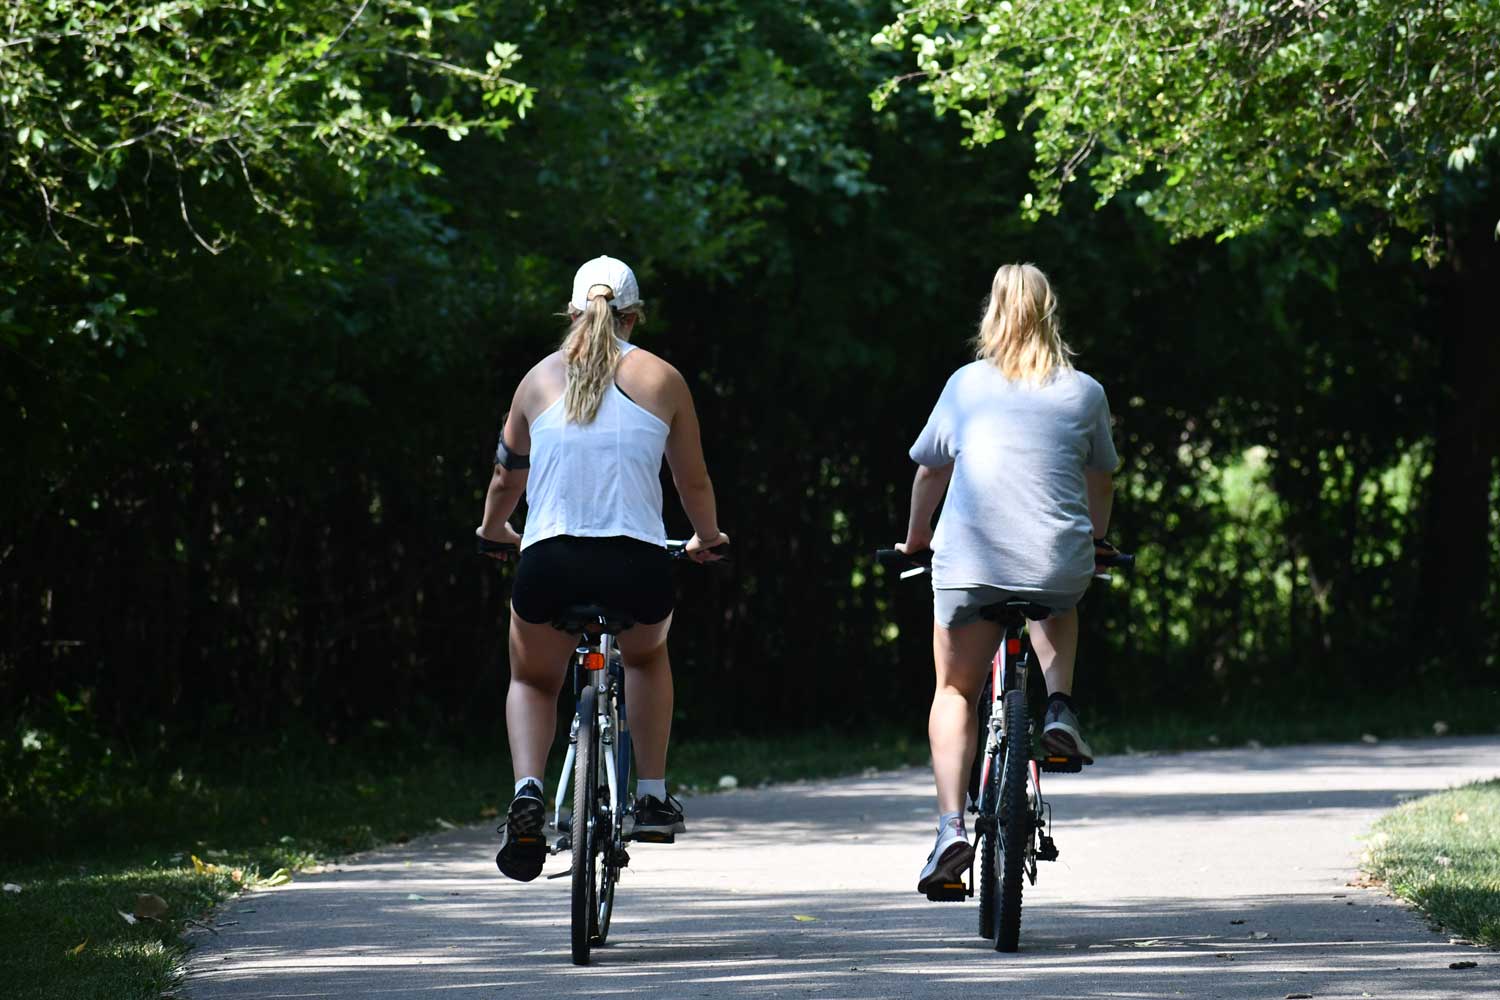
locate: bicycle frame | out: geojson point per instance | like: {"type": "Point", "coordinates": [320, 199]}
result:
{"type": "Point", "coordinates": [1008, 671]}
{"type": "Point", "coordinates": [612, 724]}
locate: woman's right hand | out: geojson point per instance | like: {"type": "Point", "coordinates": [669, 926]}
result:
{"type": "Point", "coordinates": [700, 550]}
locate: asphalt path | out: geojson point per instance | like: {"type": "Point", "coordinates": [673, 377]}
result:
{"type": "Point", "coordinates": [1218, 874]}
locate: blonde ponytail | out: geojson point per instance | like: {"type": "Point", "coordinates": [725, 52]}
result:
{"type": "Point", "coordinates": [592, 352]}
{"type": "Point", "coordinates": [1020, 333]}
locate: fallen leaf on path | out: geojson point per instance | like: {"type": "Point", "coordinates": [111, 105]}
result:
{"type": "Point", "coordinates": [74, 951]}
{"type": "Point", "coordinates": [1462, 965]}
{"type": "Point", "coordinates": [445, 824]}
{"type": "Point", "coordinates": [1224, 954]}
{"type": "Point", "coordinates": [12, 887]}
{"type": "Point", "coordinates": [1236, 922]}
{"type": "Point", "coordinates": [800, 918]}
{"type": "Point", "coordinates": [1299, 996]}
{"type": "Point", "coordinates": [1152, 943]}
{"type": "Point", "coordinates": [1260, 936]}
{"type": "Point", "coordinates": [415, 898]}
{"type": "Point", "coordinates": [149, 906]}
{"type": "Point", "coordinates": [279, 877]}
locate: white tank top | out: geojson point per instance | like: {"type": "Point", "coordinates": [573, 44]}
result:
{"type": "Point", "coordinates": [599, 479]}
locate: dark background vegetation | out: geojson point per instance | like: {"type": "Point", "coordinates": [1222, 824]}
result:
{"type": "Point", "coordinates": [253, 518]}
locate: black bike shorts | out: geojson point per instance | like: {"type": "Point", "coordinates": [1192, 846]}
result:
{"type": "Point", "coordinates": [623, 574]}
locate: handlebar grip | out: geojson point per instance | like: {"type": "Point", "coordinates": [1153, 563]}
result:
{"type": "Point", "coordinates": [486, 547]}
{"type": "Point", "coordinates": [678, 550]}
{"type": "Point", "coordinates": [896, 559]}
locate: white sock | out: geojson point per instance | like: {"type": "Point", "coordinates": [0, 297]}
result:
{"type": "Point", "coordinates": [520, 784]}
{"type": "Point", "coordinates": [654, 787]}
{"type": "Point", "coordinates": [954, 819]}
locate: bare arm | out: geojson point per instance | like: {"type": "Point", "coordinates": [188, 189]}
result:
{"type": "Point", "coordinates": [927, 491]}
{"type": "Point", "coordinates": [689, 470]}
{"type": "Point", "coordinates": [508, 485]}
{"type": "Point", "coordinates": [1101, 496]}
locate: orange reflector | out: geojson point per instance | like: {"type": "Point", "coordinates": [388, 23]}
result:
{"type": "Point", "coordinates": [1013, 646]}
{"type": "Point", "coordinates": [593, 661]}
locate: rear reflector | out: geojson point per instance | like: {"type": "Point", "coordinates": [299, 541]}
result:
{"type": "Point", "coordinates": [593, 661]}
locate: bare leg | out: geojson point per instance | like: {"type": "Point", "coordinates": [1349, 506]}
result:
{"type": "Point", "coordinates": [1056, 643]}
{"type": "Point", "coordinates": [961, 657]}
{"type": "Point", "coordinates": [539, 656]}
{"type": "Point", "coordinates": [648, 695]}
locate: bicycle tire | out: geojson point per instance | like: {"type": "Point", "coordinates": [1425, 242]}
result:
{"type": "Point", "coordinates": [1016, 823]}
{"type": "Point", "coordinates": [609, 875]}
{"type": "Point", "coordinates": [989, 845]}
{"type": "Point", "coordinates": [585, 793]}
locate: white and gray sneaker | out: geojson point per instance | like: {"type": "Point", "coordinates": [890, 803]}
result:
{"type": "Point", "coordinates": [1062, 735]}
{"type": "Point", "coordinates": [949, 861]}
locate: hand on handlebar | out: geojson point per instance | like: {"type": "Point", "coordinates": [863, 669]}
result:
{"type": "Point", "coordinates": [504, 535]}
{"type": "Point", "coordinates": [712, 551]}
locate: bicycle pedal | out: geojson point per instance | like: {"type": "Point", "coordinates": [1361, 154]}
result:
{"type": "Point", "coordinates": [948, 892]}
{"type": "Point", "coordinates": [1062, 765]}
{"type": "Point", "coordinates": [652, 837]}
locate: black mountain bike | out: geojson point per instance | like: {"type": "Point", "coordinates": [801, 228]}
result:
{"type": "Point", "coordinates": [1013, 822]}
{"type": "Point", "coordinates": [596, 769]}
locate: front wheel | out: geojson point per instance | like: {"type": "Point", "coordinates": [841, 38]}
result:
{"type": "Point", "coordinates": [1017, 825]}
{"type": "Point", "coordinates": [585, 796]}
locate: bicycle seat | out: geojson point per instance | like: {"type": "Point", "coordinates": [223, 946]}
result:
{"type": "Point", "coordinates": [578, 618]}
{"type": "Point", "coordinates": [1012, 611]}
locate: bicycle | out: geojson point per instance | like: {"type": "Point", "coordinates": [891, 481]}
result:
{"type": "Point", "coordinates": [596, 767]}
{"type": "Point", "coordinates": [1013, 822]}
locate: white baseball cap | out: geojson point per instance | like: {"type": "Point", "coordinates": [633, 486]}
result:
{"type": "Point", "coordinates": [606, 271]}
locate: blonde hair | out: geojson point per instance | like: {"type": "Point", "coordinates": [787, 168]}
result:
{"type": "Point", "coordinates": [1020, 332]}
{"type": "Point", "coordinates": [592, 352]}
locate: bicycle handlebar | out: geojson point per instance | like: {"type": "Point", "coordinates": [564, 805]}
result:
{"type": "Point", "coordinates": [676, 548]}
{"type": "Point", "coordinates": [917, 563]}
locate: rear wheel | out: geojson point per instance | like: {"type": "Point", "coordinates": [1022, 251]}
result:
{"type": "Point", "coordinates": [585, 807]}
{"type": "Point", "coordinates": [989, 846]}
{"type": "Point", "coordinates": [612, 846]}
{"type": "Point", "coordinates": [1017, 826]}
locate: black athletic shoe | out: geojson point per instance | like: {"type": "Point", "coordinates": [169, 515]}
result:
{"type": "Point", "coordinates": [655, 820]}
{"type": "Point", "coordinates": [523, 845]}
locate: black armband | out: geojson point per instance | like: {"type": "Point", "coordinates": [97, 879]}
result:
{"type": "Point", "coordinates": [509, 460]}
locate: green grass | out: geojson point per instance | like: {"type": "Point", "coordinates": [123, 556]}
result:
{"type": "Point", "coordinates": [1442, 852]}
{"type": "Point", "coordinates": [126, 829]}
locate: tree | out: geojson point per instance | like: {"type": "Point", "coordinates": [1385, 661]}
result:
{"type": "Point", "coordinates": [1223, 117]}
{"type": "Point", "coordinates": [114, 114]}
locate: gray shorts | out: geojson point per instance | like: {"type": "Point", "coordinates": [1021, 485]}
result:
{"type": "Point", "coordinates": [956, 606]}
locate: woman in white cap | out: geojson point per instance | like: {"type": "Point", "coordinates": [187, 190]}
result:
{"type": "Point", "coordinates": [1020, 443]}
{"type": "Point", "coordinates": [584, 440]}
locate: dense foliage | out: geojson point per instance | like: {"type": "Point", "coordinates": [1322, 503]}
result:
{"type": "Point", "coordinates": [1247, 110]}
{"type": "Point", "coordinates": [250, 511]}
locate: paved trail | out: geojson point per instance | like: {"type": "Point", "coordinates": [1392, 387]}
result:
{"type": "Point", "coordinates": [1219, 874]}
